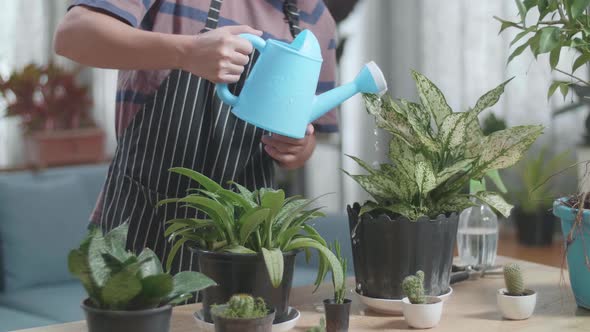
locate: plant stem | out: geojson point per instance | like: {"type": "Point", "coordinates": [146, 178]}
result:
{"type": "Point", "coordinates": [573, 76]}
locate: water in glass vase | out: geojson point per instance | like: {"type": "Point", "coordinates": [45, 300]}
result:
{"type": "Point", "coordinates": [477, 237]}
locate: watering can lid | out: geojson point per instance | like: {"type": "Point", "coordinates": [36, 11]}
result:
{"type": "Point", "coordinates": [307, 44]}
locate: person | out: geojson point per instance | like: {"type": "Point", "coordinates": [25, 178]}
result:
{"type": "Point", "coordinates": [169, 55]}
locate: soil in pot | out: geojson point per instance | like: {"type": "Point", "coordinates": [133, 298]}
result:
{"type": "Point", "coordinates": [247, 274]}
{"type": "Point", "coordinates": [150, 320]}
{"type": "Point", "coordinates": [262, 324]}
{"type": "Point", "coordinates": [337, 315]}
{"type": "Point", "coordinates": [534, 229]}
{"type": "Point", "coordinates": [386, 250]}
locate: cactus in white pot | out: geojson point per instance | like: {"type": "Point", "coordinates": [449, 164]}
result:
{"type": "Point", "coordinates": [515, 301]}
{"type": "Point", "coordinates": [420, 311]}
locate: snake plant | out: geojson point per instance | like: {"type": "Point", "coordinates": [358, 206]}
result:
{"type": "Point", "coordinates": [435, 152]}
{"type": "Point", "coordinates": [249, 222]}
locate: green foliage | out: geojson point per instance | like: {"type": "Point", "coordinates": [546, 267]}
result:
{"type": "Point", "coordinates": [561, 24]}
{"type": "Point", "coordinates": [413, 287]}
{"type": "Point", "coordinates": [249, 222]}
{"type": "Point", "coordinates": [339, 289]}
{"type": "Point", "coordinates": [116, 279]}
{"type": "Point", "coordinates": [320, 328]}
{"type": "Point", "coordinates": [434, 153]}
{"type": "Point", "coordinates": [513, 279]}
{"type": "Point", "coordinates": [242, 306]}
{"type": "Point", "coordinates": [492, 123]}
{"type": "Point", "coordinates": [536, 192]}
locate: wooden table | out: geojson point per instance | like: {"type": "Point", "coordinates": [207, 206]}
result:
{"type": "Point", "coordinates": [472, 307]}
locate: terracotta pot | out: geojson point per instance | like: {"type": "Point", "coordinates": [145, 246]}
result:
{"type": "Point", "coordinates": [64, 147]}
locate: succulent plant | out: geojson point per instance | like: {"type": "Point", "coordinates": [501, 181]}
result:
{"type": "Point", "coordinates": [242, 306]}
{"type": "Point", "coordinates": [413, 287]}
{"type": "Point", "coordinates": [513, 279]}
{"type": "Point", "coordinates": [435, 152]}
{"type": "Point", "coordinates": [116, 279]}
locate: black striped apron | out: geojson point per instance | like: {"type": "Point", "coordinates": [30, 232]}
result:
{"type": "Point", "coordinates": [183, 124]}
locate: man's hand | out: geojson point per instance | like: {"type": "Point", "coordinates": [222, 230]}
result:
{"type": "Point", "coordinates": [219, 55]}
{"type": "Point", "coordinates": [290, 153]}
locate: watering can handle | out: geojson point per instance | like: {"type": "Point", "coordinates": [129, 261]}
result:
{"type": "Point", "coordinates": [222, 90]}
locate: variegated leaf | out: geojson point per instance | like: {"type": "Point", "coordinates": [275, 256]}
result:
{"type": "Point", "coordinates": [403, 209]}
{"type": "Point", "coordinates": [402, 155]}
{"type": "Point", "coordinates": [420, 124]}
{"type": "Point", "coordinates": [461, 165]}
{"type": "Point", "coordinates": [506, 147]}
{"type": "Point", "coordinates": [455, 204]}
{"type": "Point", "coordinates": [490, 98]}
{"type": "Point", "coordinates": [407, 187]}
{"type": "Point", "coordinates": [390, 117]}
{"type": "Point", "coordinates": [474, 135]}
{"type": "Point", "coordinates": [370, 185]}
{"type": "Point", "coordinates": [425, 178]}
{"type": "Point", "coordinates": [495, 201]}
{"type": "Point", "coordinates": [432, 98]}
{"type": "Point", "coordinates": [453, 131]}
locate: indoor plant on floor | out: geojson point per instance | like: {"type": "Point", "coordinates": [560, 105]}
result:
{"type": "Point", "coordinates": [243, 313]}
{"type": "Point", "coordinates": [412, 223]}
{"type": "Point", "coordinates": [128, 292]}
{"type": "Point", "coordinates": [420, 311]}
{"type": "Point", "coordinates": [338, 308]}
{"type": "Point", "coordinates": [248, 244]}
{"type": "Point", "coordinates": [54, 110]}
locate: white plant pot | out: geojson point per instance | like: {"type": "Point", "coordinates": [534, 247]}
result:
{"type": "Point", "coordinates": [583, 154]}
{"type": "Point", "coordinates": [516, 307]}
{"type": "Point", "coordinates": [423, 316]}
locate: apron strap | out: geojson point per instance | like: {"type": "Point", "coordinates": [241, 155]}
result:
{"type": "Point", "coordinates": [292, 16]}
{"type": "Point", "coordinates": [212, 15]}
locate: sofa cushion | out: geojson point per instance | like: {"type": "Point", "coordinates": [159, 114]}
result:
{"type": "Point", "coordinates": [11, 319]}
{"type": "Point", "coordinates": [41, 220]}
{"type": "Point", "coordinates": [59, 302]}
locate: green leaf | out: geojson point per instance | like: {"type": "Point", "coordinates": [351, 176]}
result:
{"type": "Point", "coordinates": [238, 249]}
{"type": "Point", "coordinates": [542, 6]}
{"type": "Point", "coordinates": [518, 51]}
{"type": "Point", "coordinates": [173, 251]}
{"type": "Point", "coordinates": [490, 98]}
{"type": "Point", "coordinates": [583, 59]}
{"type": "Point", "coordinates": [121, 289]}
{"type": "Point", "coordinates": [554, 57]}
{"type": "Point", "coordinates": [521, 34]}
{"type": "Point", "coordinates": [250, 221]}
{"type": "Point", "coordinates": [432, 98]}
{"type": "Point", "coordinates": [186, 283]}
{"type": "Point", "coordinates": [247, 194]}
{"type": "Point", "coordinates": [425, 178]}
{"type": "Point", "coordinates": [156, 286]}
{"type": "Point", "coordinates": [222, 219]}
{"type": "Point", "coordinates": [452, 131]}
{"type": "Point", "coordinates": [476, 186]}
{"type": "Point", "coordinates": [273, 200]}
{"type": "Point", "coordinates": [522, 10]}
{"type": "Point", "coordinates": [577, 7]}
{"type": "Point", "coordinates": [564, 89]}
{"type": "Point", "coordinates": [201, 179]}
{"type": "Point", "coordinates": [549, 39]}
{"type": "Point", "coordinates": [495, 201]}
{"type": "Point", "coordinates": [98, 266]}
{"type": "Point", "coordinates": [78, 267]}
{"type": "Point", "coordinates": [150, 265]}
{"type": "Point", "coordinates": [460, 166]}
{"type": "Point", "coordinates": [553, 87]}
{"type": "Point", "coordinates": [273, 259]}
{"type": "Point", "coordinates": [494, 175]}
{"type": "Point", "coordinates": [505, 24]}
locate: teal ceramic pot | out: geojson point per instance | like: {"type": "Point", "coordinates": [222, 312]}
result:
{"type": "Point", "coordinates": [577, 251]}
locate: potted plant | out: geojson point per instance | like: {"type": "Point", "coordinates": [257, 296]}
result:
{"type": "Point", "coordinates": [249, 241]}
{"type": "Point", "coordinates": [338, 308]}
{"type": "Point", "coordinates": [128, 292]}
{"type": "Point", "coordinates": [411, 223]}
{"type": "Point", "coordinates": [574, 212]}
{"type": "Point", "coordinates": [243, 313]}
{"type": "Point", "coordinates": [420, 311]}
{"type": "Point", "coordinates": [515, 302]}
{"type": "Point", "coordinates": [532, 214]}
{"type": "Point", "coordinates": [54, 109]}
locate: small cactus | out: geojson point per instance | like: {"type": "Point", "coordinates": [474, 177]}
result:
{"type": "Point", "coordinates": [413, 287]}
{"type": "Point", "coordinates": [244, 306]}
{"type": "Point", "coordinates": [513, 279]}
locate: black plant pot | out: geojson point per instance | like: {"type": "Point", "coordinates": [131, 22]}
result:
{"type": "Point", "coordinates": [247, 274]}
{"type": "Point", "coordinates": [386, 250]}
{"type": "Point", "coordinates": [337, 315]}
{"type": "Point", "coordinates": [149, 320]}
{"type": "Point", "coordinates": [262, 324]}
{"type": "Point", "coordinates": [535, 229]}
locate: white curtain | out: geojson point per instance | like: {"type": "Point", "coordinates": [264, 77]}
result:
{"type": "Point", "coordinates": [456, 44]}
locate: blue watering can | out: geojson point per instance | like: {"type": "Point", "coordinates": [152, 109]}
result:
{"type": "Point", "coordinates": [279, 95]}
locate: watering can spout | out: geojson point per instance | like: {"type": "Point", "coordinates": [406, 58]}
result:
{"type": "Point", "coordinates": [369, 80]}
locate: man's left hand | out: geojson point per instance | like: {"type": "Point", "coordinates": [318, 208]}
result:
{"type": "Point", "coordinates": [290, 153]}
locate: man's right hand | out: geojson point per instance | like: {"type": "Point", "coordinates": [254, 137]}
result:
{"type": "Point", "coordinates": [219, 55]}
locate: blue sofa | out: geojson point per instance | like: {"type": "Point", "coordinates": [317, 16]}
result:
{"type": "Point", "coordinates": [42, 216]}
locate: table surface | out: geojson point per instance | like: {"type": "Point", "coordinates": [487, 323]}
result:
{"type": "Point", "coordinates": [471, 307]}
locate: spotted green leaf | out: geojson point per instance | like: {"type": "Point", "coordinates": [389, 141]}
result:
{"type": "Point", "coordinates": [490, 98]}
{"type": "Point", "coordinates": [425, 178]}
{"type": "Point", "coordinates": [432, 98]}
{"type": "Point", "coordinates": [495, 201]}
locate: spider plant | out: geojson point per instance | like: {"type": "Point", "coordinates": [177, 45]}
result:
{"type": "Point", "coordinates": [249, 222]}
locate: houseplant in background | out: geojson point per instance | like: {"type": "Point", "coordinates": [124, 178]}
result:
{"type": "Point", "coordinates": [54, 109]}
{"type": "Point", "coordinates": [243, 313]}
{"type": "Point", "coordinates": [515, 302]}
{"type": "Point", "coordinates": [128, 292]}
{"type": "Point", "coordinates": [338, 308]}
{"type": "Point", "coordinates": [412, 222]}
{"type": "Point", "coordinates": [532, 214]}
{"type": "Point", "coordinates": [420, 311]}
{"type": "Point", "coordinates": [248, 244]}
